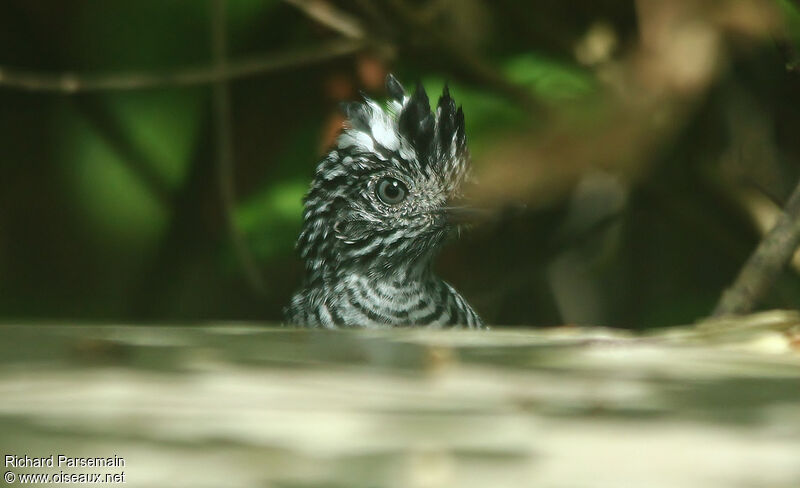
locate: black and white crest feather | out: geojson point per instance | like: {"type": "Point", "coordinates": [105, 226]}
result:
{"type": "Point", "coordinates": [368, 257]}
{"type": "Point", "coordinates": [434, 142]}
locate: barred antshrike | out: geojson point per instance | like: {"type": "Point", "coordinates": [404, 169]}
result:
{"type": "Point", "coordinates": [378, 210]}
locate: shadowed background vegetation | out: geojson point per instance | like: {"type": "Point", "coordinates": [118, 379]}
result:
{"type": "Point", "coordinates": [634, 152]}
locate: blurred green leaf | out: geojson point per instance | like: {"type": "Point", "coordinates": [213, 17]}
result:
{"type": "Point", "coordinates": [791, 14]}
{"type": "Point", "coordinates": [164, 125]}
{"type": "Point", "coordinates": [489, 115]}
{"type": "Point", "coordinates": [271, 219]}
{"type": "Point", "coordinates": [282, 201]}
{"type": "Point", "coordinates": [105, 189]}
{"type": "Point", "coordinates": [548, 79]}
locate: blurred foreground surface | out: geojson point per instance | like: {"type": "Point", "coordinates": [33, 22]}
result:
{"type": "Point", "coordinates": [247, 405]}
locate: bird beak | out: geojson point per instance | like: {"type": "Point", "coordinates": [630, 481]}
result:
{"type": "Point", "coordinates": [465, 215]}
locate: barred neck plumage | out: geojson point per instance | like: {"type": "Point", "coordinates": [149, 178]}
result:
{"type": "Point", "coordinates": [357, 300]}
{"type": "Point", "coordinates": [377, 213]}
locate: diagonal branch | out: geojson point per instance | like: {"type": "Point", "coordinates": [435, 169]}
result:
{"type": "Point", "coordinates": [765, 264]}
{"type": "Point", "coordinates": [335, 19]}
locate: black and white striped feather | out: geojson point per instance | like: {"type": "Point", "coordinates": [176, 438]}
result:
{"type": "Point", "coordinates": [367, 263]}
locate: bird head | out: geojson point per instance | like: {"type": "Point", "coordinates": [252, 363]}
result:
{"type": "Point", "coordinates": [382, 198]}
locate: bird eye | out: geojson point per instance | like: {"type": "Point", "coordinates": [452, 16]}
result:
{"type": "Point", "coordinates": [391, 191]}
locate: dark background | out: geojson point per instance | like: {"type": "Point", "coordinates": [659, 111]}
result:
{"type": "Point", "coordinates": [634, 152]}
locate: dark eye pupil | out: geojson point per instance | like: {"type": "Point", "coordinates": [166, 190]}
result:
{"type": "Point", "coordinates": [391, 191]}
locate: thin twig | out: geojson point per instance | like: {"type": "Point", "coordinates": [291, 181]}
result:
{"type": "Point", "coordinates": [222, 122]}
{"type": "Point", "coordinates": [765, 264]}
{"type": "Point", "coordinates": [327, 15]}
{"type": "Point", "coordinates": [69, 83]}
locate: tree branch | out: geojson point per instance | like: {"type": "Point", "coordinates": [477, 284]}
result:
{"type": "Point", "coordinates": [324, 13]}
{"type": "Point", "coordinates": [765, 264]}
{"type": "Point", "coordinates": [69, 83]}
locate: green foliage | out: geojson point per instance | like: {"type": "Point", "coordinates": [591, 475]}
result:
{"type": "Point", "coordinates": [161, 126]}
{"type": "Point", "coordinates": [491, 115]}
{"type": "Point", "coordinates": [791, 15]}
{"type": "Point", "coordinates": [164, 126]}
{"type": "Point", "coordinates": [271, 219]}
{"type": "Point", "coordinates": [550, 80]}
{"type": "Point", "coordinates": [114, 201]}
